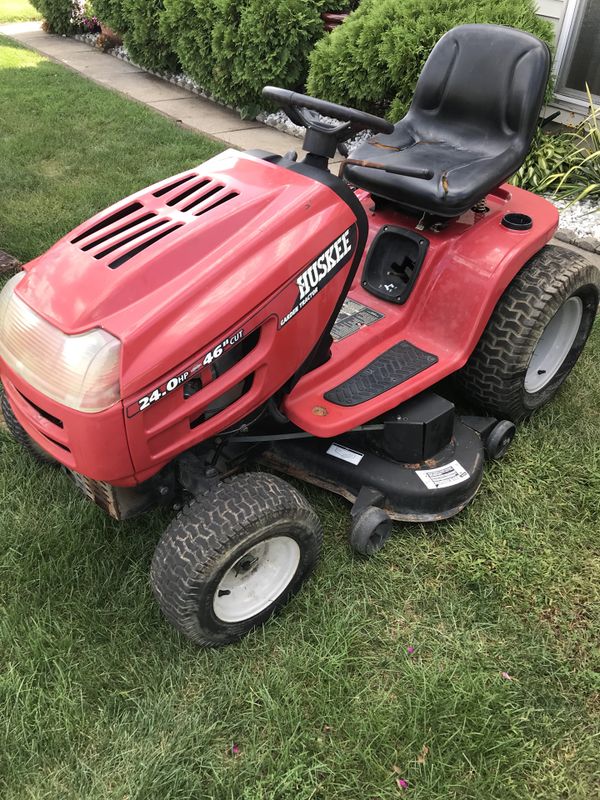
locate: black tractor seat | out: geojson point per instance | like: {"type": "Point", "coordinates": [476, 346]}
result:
{"type": "Point", "coordinates": [471, 121]}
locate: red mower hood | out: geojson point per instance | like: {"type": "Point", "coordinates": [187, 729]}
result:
{"type": "Point", "coordinates": [139, 252]}
{"type": "Point", "coordinates": [209, 244]}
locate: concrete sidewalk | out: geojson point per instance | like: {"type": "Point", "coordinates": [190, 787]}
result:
{"type": "Point", "coordinates": [172, 101]}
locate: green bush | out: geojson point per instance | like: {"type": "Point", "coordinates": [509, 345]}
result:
{"type": "Point", "coordinates": [204, 34]}
{"type": "Point", "coordinates": [274, 40]}
{"type": "Point", "coordinates": [373, 60]}
{"type": "Point", "coordinates": [224, 50]}
{"type": "Point", "coordinates": [232, 48]}
{"type": "Point", "coordinates": [188, 24]}
{"type": "Point", "coordinates": [144, 38]}
{"type": "Point", "coordinates": [61, 16]}
{"type": "Point", "coordinates": [111, 13]}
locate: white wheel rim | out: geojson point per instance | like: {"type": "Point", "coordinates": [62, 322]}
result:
{"type": "Point", "coordinates": [554, 345]}
{"type": "Point", "coordinates": [258, 577]}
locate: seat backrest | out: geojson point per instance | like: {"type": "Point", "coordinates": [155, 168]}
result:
{"type": "Point", "coordinates": [483, 82]}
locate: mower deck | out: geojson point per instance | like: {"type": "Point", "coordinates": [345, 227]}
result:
{"type": "Point", "coordinates": [432, 490]}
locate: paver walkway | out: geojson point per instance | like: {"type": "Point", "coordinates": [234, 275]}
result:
{"type": "Point", "coordinates": [173, 101]}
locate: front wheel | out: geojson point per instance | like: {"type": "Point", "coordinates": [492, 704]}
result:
{"type": "Point", "coordinates": [233, 557]}
{"type": "Point", "coordinates": [535, 335]}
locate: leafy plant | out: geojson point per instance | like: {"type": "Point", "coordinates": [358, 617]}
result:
{"type": "Point", "coordinates": [232, 48]}
{"type": "Point", "coordinates": [274, 40]}
{"type": "Point", "coordinates": [188, 25]}
{"type": "Point", "coordinates": [112, 13]}
{"type": "Point", "coordinates": [581, 178]}
{"type": "Point", "coordinates": [548, 153]}
{"type": "Point", "coordinates": [144, 38]}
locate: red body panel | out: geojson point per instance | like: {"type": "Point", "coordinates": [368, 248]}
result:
{"type": "Point", "coordinates": [248, 231]}
{"type": "Point", "coordinates": [232, 268]}
{"type": "Point", "coordinates": [73, 438]}
{"type": "Point", "coordinates": [468, 266]}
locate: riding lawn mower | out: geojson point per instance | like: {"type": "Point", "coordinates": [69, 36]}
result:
{"type": "Point", "coordinates": [259, 316]}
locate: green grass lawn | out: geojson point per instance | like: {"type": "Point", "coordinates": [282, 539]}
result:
{"type": "Point", "coordinates": [100, 699]}
{"type": "Point", "coordinates": [17, 11]}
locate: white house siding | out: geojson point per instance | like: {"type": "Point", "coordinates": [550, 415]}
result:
{"type": "Point", "coordinates": [552, 10]}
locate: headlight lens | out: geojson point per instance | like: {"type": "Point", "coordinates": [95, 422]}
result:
{"type": "Point", "coordinates": [81, 372]}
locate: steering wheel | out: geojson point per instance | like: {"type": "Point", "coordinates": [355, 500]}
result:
{"type": "Point", "coordinates": [323, 138]}
{"type": "Point", "coordinates": [299, 106]}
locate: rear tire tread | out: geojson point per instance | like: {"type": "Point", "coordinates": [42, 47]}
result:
{"type": "Point", "coordinates": [494, 375]}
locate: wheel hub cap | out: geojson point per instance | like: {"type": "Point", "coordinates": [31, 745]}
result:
{"type": "Point", "coordinates": [554, 345]}
{"type": "Point", "coordinates": [256, 579]}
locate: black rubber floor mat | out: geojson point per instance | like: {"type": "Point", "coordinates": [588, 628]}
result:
{"type": "Point", "coordinates": [391, 368]}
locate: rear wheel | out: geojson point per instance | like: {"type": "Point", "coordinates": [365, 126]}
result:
{"type": "Point", "coordinates": [20, 434]}
{"type": "Point", "coordinates": [233, 557]}
{"type": "Point", "coordinates": [535, 335]}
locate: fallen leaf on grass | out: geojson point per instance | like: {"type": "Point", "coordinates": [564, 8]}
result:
{"type": "Point", "coordinates": [422, 757]}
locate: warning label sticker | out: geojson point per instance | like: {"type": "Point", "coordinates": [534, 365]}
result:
{"type": "Point", "coordinates": [444, 476]}
{"type": "Point", "coordinates": [352, 456]}
{"type": "Point", "coordinates": [352, 317]}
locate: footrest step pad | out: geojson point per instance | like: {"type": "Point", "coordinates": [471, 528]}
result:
{"type": "Point", "coordinates": [396, 365]}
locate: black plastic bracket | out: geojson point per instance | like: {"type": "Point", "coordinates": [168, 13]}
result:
{"type": "Point", "coordinates": [481, 425]}
{"type": "Point", "coordinates": [366, 497]}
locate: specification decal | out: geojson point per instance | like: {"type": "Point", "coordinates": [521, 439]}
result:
{"type": "Point", "coordinates": [177, 380]}
{"type": "Point", "coordinates": [352, 456]}
{"type": "Point", "coordinates": [162, 391]}
{"type": "Point", "coordinates": [352, 317]}
{"type": "Point", "coordinates": [218, 351]}
{"type": "Point", "coordinates": [441, 477]}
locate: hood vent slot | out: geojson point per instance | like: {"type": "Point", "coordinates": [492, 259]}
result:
{"type": "Point", "coordinates": [143, 245]}
{"type": "Point", "coordinates": [227, 197]}
{"type": "Point", "coordinates": [198, 194]}
{"type": "Point", "coordinates": [189, 190]}
{"type": "Point", "coordinates": [172, 186]}
{"type": "Point", "coordinates": [196, 201]}
{"type": "Point", "coordinates": [116, 217]}
{"type": "Point", "coordinates": [118, 231]}
{"type": "Point", "coordinates": [131, 238]}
